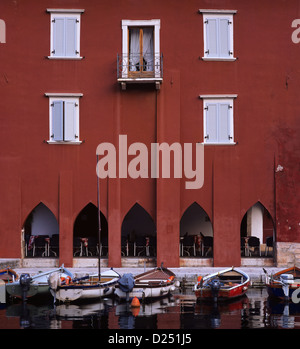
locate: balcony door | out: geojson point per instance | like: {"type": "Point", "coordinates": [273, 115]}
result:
{"type": "Point", "coordinates": [141, 51]}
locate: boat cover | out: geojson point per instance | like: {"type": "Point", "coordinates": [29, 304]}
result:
{"type": "Point", "coordinates": [126, 282]}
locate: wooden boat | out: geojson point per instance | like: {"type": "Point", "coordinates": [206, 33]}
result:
{"type": "Point", "coordinates": [8, 275]}
{"type": "Point", "coordinates": [283, 284]}
{"type": "Point", "coordinates": [154, 283]}
{"type": "Point", "coordinates": [222, 285]}
{"type": "Point", "coordinates": [28, 286]}
{"type": "Point", "coordinates": [87, 287]}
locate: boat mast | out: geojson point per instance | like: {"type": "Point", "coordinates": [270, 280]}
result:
{"type": "Point", "coordinates": [99, 223]}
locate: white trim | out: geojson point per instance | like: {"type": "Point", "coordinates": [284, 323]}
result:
{"type": "Point", "coordinates": [219, 59]}
{"type": "Point", "coordinates": [219, 99]}
{"type": "Point", "coordinates": [218, 96]}
{"type": "Point", "coordinates": [218, 11]}
{"type": "Point", "coordinates": [229, 143]}
{"type": "Point", "coordinates": [65, 14]}
{"type": "Point", "coordinates": [65, 142]}
{"type": "Point", "coordinates": [63, 97]}
{"type": "Point", "coordinates": [218, 15]}
{"type": "Point", "coordinates": [65, 10]}
{"type": "Point", "coordinates": [66, 95]}
{"type": "Point", "coordinates": [65, 57]}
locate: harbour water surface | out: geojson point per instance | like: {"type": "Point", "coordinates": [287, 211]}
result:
{"type": "Point", "coordinates": [181, 311]}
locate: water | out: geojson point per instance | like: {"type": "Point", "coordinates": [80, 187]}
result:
{"type": "Point", "coordinates": [179, 312]}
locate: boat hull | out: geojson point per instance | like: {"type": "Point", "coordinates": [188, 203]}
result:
{"type": "Point", "coordinates": [73, 293]}
{"type": "Point", "coordinates": [84, 288]}
{"type": "Point", "coordinates": [224, 294]}
{"type": "Point", "coordinates": [145, 292]}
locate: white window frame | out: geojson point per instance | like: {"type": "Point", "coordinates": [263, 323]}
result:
{"type": "Point", "coordinates": [126, 23]}
{"type": "Point", "coordinates": [219, 100]}
{"type": "Point", "coordinates": [218, 15]}
{"type": "Point", "coordinates": [62, 13]}
{"type": "Point", "coordinates": [68, 97]}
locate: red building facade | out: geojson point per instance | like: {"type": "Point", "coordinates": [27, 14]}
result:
{"type": "Point", "coordinates": [222, 75]}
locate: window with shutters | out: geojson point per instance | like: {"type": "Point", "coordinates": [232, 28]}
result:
{"type": "Point", "coordinates": [63, 119]}
{"type": "Point", "coordinates": [218, 35]}
{"type": "Point", "coordinates": [218, 125]}
{"type": "Point", "coordinates": [65, 34]}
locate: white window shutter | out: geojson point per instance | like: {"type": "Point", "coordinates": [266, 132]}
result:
{"type": "Point", "coordinates": [57, 121]}
{"type": "Point", "coordinates": [211, 123]}
{"type": "Point", "coordinates": [71, 36]}
{"type": "Point", "coordinates": [211, 37]}
{"type": "Point", "coordinates": [70, 121]}
{"type": "Point", "coordinates": [224, 40]}
{"type": "Point", "coordinates": [224, 123]}
{"type": "Point", "coordinates": [58, 36]}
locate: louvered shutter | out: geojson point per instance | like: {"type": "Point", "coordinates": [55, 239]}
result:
{"type": "Point", "coordinates": [224, 123]}
{"type": "Point", "coordinates": [70, 121]}
{"type": "Point", "coordinates": [224, 41]}
{"type": "Point", "coordinates": [211, 37]}
{"type": "Point", "coordinates": [58, 37]}
{"type": "Point", "coordinates": [211, 121]}
{"type": "Point", "coordinates": [71, 36]}
{"type": "Point", "coordinates": [57, 121]}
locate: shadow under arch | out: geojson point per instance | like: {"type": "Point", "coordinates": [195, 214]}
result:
{"type": "Point", "coordinates": [138, 233]}
{"type": "Point", "coordinates": [86, 226]}
{"type": "Point", "coordinates": [41, 223]}
{"type": "Point", "coordinates": [257, 232]}
{"type": "Point", "coordinates": [196, 233]}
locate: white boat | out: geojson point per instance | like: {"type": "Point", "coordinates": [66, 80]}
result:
{"type": "Point", "coordinates": [28, 286]}
{"type": "Point", "coordinates": [87, 287]}
{"type": "Point", "coordinates": [154, 283]}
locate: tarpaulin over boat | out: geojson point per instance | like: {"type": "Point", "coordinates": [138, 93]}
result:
{"type": "Point", "coordinates": [126, 282]}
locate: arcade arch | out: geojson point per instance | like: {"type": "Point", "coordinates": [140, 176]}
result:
{"type": "Point", "coordinates": [196, 233]}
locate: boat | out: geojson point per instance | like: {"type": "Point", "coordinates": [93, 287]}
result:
{"type": "Point", "coordinates": [8, 275]}
{"type": "Point", "coordinates": [223, 285]}
{"type": "Point", "coordinates": [27, 286]}
{"type": "Point", "coordinates": [154, 283]}
{"type": "Point", "coordinates": [87, 287]}
{"type": "Point", "coordinates": [283, 284]}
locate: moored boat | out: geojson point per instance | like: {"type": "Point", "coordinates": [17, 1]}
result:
{"type": "Point", "coordinates": [283, 284]}
{"type": "Point", "coordinates": [154, 283]}
{"type": "Point", "coordinates": [87, 287]}
{"type": "Point", "coordinates": [8, 275]}
{"type": "Point", "coordinates": [226, 284]}
{"type": "Point", "coordinates": [27, 286]}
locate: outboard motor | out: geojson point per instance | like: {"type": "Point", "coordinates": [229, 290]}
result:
{"type": "Point", "coordinates": [25, 281]}
{"type": "Point", "coordinates": [126, 284]}
{"type": "Point", "coordinates": [214, 285]}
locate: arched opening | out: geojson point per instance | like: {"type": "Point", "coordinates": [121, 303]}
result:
{"type": "Point", "coordinates": [86, 232]}
{"type": "Point", "coordinates": [196, 233]}
{"type": "Point", "coordinates": [138, 233]}
{"type": "Point", "coordinates": [257, 232]}
{"type": "Point", "coordinates": [41, 233]}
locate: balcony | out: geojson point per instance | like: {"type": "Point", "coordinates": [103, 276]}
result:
{"type": "Point", "coordinates": [140, 69]}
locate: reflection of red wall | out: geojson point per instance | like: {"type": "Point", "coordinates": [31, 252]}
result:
{"type": "Point", "coordinates": [265, 78]}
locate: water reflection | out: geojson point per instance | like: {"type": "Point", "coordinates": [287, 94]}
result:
{"type": "Point", "coordinates": [181, 311]}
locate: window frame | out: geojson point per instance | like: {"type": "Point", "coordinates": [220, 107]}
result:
{"type": "Point", "coordinates": [126, 24]}
{"type": "Point", "coordinates": [218, 15]}
{"type": "Point", "coordinates": [65, 13]}
{"type": "Point", "coordinates": [53, 97]}
{"type": "Point", "coordinates": [219, 99]}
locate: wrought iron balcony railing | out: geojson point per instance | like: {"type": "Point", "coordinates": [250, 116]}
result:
{"type": "Point", "coordinates": [140, 67]}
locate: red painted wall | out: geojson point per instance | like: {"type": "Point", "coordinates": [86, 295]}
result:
{"type": "Point", "coordinates": [266, 121]}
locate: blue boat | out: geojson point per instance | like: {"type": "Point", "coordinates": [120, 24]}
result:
{"type": "Point", "coordinates": [284, 285]}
